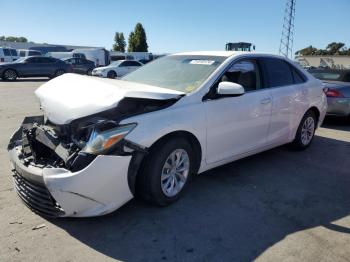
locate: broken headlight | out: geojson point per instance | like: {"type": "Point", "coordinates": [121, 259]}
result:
{"type": "Point", "coordinates": [101, 141]}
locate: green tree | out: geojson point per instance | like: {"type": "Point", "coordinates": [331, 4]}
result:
{"type": "Point", "coordinates": [138, 40]}
{"type": "Point", "coordinates": [131, 42]}
{"type": "Point", "coordinates": [310, 50]}
{"type": "Point", "coordinates": [22, 39]}
{"type": "Point", "coordinates": [120, 43]}
{"type": "Point", "coordinates": [14, 39]}
{"type": "Point", "coordinates": [335, 47]}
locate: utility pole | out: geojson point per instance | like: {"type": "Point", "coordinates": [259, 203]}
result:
{"type": "Point", "coordinates": [286, 44]}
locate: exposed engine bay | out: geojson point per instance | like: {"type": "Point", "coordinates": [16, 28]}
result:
{"type": "Point", "coordinates": [47, 144]}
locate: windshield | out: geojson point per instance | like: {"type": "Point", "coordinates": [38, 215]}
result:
{"type": "Point", "coordinates": [183, 73]}
{"type": "Point", "coordinates": [116, 63]}
{"type": "Point", "coordinates": [326, 75]}
{"type": "Point", "coordinates": [20, 59]}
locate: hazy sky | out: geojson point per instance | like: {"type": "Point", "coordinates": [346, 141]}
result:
{"type": "Point", "coordinates": [180, 25]}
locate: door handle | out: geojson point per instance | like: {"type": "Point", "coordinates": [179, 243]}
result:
{"type": "Point", "coordinates": [266, 101]}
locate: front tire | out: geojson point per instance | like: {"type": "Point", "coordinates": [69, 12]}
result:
{"type": "Point", "coordinates": [166, 171]}
{"type": "Point", "coordinates": [112, 74]}
{"type": "Point", "coordinates": [59, 72]}
{"type": "Point", "coordinates": [9, 75]}
{"type": "Point", "coordinates": [305, 132]}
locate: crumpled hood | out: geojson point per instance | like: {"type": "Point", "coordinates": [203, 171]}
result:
{"type": "Point", "coordinates": [73, 96]}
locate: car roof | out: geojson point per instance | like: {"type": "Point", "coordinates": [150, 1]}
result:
{"type": "Point", "coordinates": [213, 53]}
{"type": "Point", "coordinates": [227, 53]}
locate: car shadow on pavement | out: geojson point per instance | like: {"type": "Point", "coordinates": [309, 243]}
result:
{"type": "Point", "coordinates": [30, 80]}
{"type": "Point", "coordinates": [231, 213]}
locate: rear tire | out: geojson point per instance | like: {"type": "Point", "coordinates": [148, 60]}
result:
{"type": "Point", "coordinates": [305, 132]}
{"type": "Point", "coordinates": [59, 72]}
{"type": "Point", "coordinates": [111, 74]}
{"type": "Point", "coordinates": [89, 72]}
{"type": "Point", "coordinates": [166, 171]}
{"type": "Point", "coordinates": [9, 75]}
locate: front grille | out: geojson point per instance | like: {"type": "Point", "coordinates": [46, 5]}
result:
{"type": "Point", "coordinates": [36, 197]}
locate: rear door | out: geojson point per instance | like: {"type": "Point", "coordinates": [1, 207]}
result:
{"type": "Point", "coordinates": [286, 87]}
{"type": "Point", "coordinates": [238, 125]}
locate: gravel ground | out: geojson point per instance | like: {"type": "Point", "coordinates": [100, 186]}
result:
{"type": "Point", "coordinates": [278, 205]}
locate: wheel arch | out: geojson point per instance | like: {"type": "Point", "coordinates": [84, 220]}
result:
{"type": "Point", "coordinates": [10, 68]}
{"type": "Point", "coordinates": [192, 139]}
{"type": "Point", "coordinates": [139, 159]}
{"type": "Point", "coordinates": [316, 111]}
{"type": "Point", "coordinates": [112, 70]}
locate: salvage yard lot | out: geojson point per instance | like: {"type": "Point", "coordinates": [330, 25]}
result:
{"type": "Point", "coordinates": [278, 205]}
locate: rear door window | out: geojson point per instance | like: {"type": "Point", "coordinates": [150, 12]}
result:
{"type": "Point", "coordinates": [277, 72]}
{"type": "Point", "coordinates": [124, 64]}
{"type": "Point", "coordinates": [47, 60]}
{"type": "Point", "coordinates": [34, 60]}
{"type": "Point", "coordinates": [33, 53]}
{"type": "Point", "coordinates": [134, 63]}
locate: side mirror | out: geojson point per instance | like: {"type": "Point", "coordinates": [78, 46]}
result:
{"type": "Point", "coordinates": [230, 89]}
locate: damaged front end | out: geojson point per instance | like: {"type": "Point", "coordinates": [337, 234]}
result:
{"type": "Point", "coordinates": [84, 168]}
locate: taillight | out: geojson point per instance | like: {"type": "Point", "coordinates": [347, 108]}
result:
{"type": "Point", "coordinates": [333, 93]}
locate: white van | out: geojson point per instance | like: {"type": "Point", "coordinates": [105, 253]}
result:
{"type": "Point", "coordinates": [26, 52]}
{"type": "Point", "coordinates": [8, 54]}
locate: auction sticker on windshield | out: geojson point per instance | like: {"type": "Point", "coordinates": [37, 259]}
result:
{"type": "Point", "coordinates": [202, 62]}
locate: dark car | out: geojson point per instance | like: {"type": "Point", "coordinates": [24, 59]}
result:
{"type": "Point", "coordinates": [34, 66]}
{"type": "Point", "coordinates": [337, 83]}
{"type": "Point", "coordinates": [80, 65]}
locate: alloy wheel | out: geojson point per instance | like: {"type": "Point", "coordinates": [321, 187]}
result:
{"type": "Point", "coordinates": [307, 130]}
{"type": "Point", "coordinates": [10, 75]}
{"type": "Point", "coordinates": [175, 172]}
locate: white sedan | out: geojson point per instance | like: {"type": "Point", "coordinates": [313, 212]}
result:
{"type": "Point", "coordinates": [116, 69]}
{"type": "Point", "coordinates": [102, 141]}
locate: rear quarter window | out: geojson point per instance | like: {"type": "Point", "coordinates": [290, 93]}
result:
{"type": "Point", "coordinates": [298, 76]}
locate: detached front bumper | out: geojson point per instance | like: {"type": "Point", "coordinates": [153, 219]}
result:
{"type": "Point", "coordinates": [98, 189]}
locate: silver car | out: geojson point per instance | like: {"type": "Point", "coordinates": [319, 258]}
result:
{"type": "Point", "coordinates": [337, 88]}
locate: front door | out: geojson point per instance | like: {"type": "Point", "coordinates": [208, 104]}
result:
{"type": "Point", "coordinates": [237, 125]}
